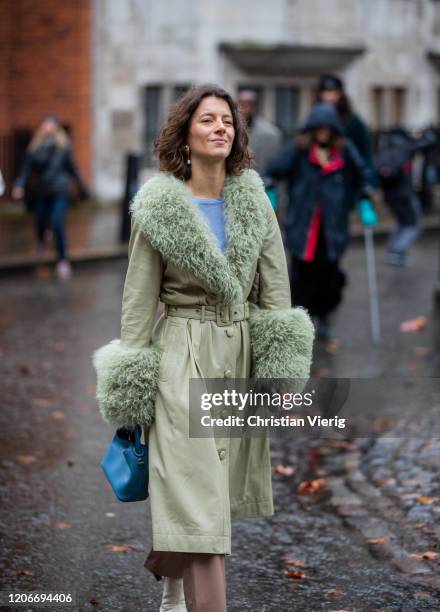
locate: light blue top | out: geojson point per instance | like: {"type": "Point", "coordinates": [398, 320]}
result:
{"type": "Point", "coordinates": [212, 210]}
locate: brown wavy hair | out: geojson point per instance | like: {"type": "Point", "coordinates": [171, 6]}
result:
{"type": "Point", "coordinates": [169, 145]}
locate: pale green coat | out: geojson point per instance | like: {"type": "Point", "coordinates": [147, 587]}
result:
{"type": "Point", "coordinates": [198, 485]}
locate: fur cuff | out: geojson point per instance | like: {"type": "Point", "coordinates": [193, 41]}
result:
{"type": "Point", "coordinates": [282, 342]}
{"type": "Point", "coordinates": [127, 380]}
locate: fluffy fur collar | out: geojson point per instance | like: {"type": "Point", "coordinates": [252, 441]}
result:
{"type": "Point", "coordinates": [166, 214]}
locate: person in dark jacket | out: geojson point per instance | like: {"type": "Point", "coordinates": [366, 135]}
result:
{"type": "Point", "coordinates": [394, 161]}
{"type": "Point", "coordinates": [50, 160]}
{"type": "Point", "coordinates": [319, 168]}
{"type": "Point", "coordinates": [331, 91]}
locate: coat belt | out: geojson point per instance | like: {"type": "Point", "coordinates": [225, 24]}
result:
{"type": "Point", "coordinates": [222, 314]}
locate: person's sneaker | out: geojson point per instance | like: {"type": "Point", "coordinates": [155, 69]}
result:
{"type": "Point", "coordinates": [64, 269]}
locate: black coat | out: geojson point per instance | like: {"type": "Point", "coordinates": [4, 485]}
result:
{"type": "Point", "coordinates": [357, 132]}
{"type": "Point", "coordinates": [53, 167]}
{"type": "Point", "coordinates": [309, 186]}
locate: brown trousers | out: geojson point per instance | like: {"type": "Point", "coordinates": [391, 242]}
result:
{"type": "Point", "coordinates": [204, 582]}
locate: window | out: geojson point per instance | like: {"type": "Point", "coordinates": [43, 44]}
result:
{"type": "Point", "coordinates": [397, 108]}
{"type": "Point", "coordinates": [153, 95]}
{"type": "Point", "coordinates": [286, 110]}
{"type": "Point", "coordinates": [179, 90]}
{"type": "Point", "coordinates": [378, 104]}
{"type": "Point", "coordinates": [388, 107]}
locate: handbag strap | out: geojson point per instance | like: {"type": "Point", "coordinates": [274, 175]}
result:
{"type": "Point", "coordinates": [137, 440]}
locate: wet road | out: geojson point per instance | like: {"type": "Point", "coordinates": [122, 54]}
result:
{"type": "Point", "coordinates": [61, 527]}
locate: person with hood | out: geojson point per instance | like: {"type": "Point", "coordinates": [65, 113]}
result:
{"type": "Point", "coordinates": [320, 167]}
{"type": "Point", "coordinates": [205, 241]}
{"type": "Point", "coordinates": [49, 158]}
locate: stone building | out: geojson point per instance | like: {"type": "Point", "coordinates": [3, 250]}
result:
{"type": "Point", "coordinates": [145, 53]}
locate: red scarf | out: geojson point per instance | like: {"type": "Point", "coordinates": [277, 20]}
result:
{"type": "Point", "coordinates": [336, 162]}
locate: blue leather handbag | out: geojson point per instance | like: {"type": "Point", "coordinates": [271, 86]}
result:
{"type": "Point", "coordinates": [126, 465]}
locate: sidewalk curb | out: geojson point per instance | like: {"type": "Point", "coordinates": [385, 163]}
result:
{"type": "Point", "coordinates": [364, 509]}
{"type": "Point", "coordinates": [21, 263]}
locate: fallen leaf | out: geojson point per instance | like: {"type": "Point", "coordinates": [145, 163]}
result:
{"type": "Point", "coordinates": [293, 573]}
{"type": "Point", "coordinates": [381, 424]}
{"type": "Point", "coordinates": [309, 487]}
{"type": "Point", "coordinates": [429, 555]}
{"type": "Point", "coordinates": [413, 325]}
{"type": "Point", "coordinates": [93, 601]}
{"type": "Point", "coordinates": [42, 402]}
{"type": "Point", "coordinates": [62, 525]}
{"type": "Point", "coordinates": [57, 346]}
{"type": "Point", "coordinates": [335, 592]}
{"type": "Point", "coordinates": [333, 346]}
{"type": "Point", "coordinates": [22, 572]}
{"type": "Point", "coordinates": [425, 499]}
{"type": "Point", "coordinates": [421, 351]}
{"type": "Point", "coordinates": [58, 415]}
{"type": "Point", "coordinates": [119, 548]}
{"type": "Point", "coordinates": [342, 444]}
{"type": "Point", "coordinates": [285, 470]}
{"type": "Point", "coordinates": [381, 540]}
{"type": "Point", "coordinates": [321, 373]}
{"type": "Point", "coordinates": [24, 370]}
{"type": "Point", "coordinates": [313, 458]}
{"type": "Point", "coordinates": [295, 562]}
{"type": "Point", "coordinates": [26, 458]}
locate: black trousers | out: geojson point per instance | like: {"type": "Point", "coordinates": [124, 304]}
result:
{"type": "Point", "coordinates": [317, 285]}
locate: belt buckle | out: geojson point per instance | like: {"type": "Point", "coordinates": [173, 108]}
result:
{"type": "Point", "coordinates": [222, 315]}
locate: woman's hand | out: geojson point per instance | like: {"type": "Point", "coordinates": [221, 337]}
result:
{"type": "Point", "coordinates": [18, 193]}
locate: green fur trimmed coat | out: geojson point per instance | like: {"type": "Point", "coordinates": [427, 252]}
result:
{"type": "Point", "coordinates": [198, 484]}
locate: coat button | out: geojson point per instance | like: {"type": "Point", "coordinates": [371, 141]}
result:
{"type": "Point", "coordinates": [229, 332]}
{"type": "Point", "coordinates": [221, 454]}
{"type": "Point", "coordinates": [228, 373]}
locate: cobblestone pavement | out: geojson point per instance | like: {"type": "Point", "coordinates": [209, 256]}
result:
{"type": "Point", "coordinates": [387, 487]}
{"type": "Point", "coordinates": [335, 549]}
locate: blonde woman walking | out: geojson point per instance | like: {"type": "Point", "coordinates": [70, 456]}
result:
{"type": "Point", "coordinates": [50, 159]}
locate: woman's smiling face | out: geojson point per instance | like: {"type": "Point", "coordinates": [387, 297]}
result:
{"type": "Point", "coordinates": [211, 131]}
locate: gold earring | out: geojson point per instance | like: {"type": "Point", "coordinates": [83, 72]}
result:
{"type": "Point", "coordinates": [188, 152]}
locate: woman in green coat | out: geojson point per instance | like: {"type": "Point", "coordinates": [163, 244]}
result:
{"type": "Point", "coordinates": [204, 240]}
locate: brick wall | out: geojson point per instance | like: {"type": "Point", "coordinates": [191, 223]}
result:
{"type": "Point", "coordinates": [45, 66]}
